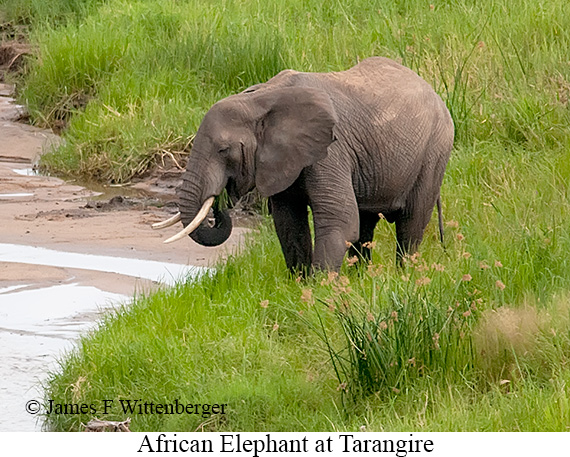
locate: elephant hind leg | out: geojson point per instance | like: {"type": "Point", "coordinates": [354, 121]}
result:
{"type": "Point", "coordinates": [360, 249]}
{"type": "Point", "coordinates": [410, 229]}
{"type": "Point", "coordinates": [413, 219]}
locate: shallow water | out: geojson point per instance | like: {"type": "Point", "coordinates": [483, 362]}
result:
{"type": "Point", "coordinates": [166, 273]}
{"type": "Point", "coordinates": [26, 171]}
{"type": "Point", "coordinates": [36, 327]}
{"type": "Point", "coordinates": [17, 195]}
{"type": "Point", "coordinates": [38, 323]}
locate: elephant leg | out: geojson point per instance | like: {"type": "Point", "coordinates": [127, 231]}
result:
{"type": "Point", "coordinates": [368, 223]}
{"type": "Point", "coordinates": [290, 217]}
{"type": "Point", "coordinates": [410, 227]}
{"type": "Point", "coordinates": [335, 228]}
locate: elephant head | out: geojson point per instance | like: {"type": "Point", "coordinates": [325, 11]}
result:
{"type": "Point", "coordinates": [263, 138]}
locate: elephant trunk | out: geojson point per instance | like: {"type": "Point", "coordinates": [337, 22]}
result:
{"type": "Point", "coordinates": [194, 209]}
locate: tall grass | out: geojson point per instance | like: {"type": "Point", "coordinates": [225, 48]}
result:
{"type": "Point", "coordinates": [400, 329]}
{"type": "Point", "coordinates": [130, 79]}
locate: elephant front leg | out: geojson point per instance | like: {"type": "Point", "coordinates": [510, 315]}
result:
{"type": "Point", "coordinates": [334, 232]}
{"type": "Point", "coordinates": [290, 216]}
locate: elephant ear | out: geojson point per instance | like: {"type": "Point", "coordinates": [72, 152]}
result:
{"type": "Point", "coordinates": [295, 130]}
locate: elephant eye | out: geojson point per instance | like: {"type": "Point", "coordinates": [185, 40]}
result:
{"type": "Point", "coordinates": [224, 151]}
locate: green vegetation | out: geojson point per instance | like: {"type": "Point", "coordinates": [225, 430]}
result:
{"type": "Point", "coordinates": [143, 73]}
{"type": "Point", "coordinates": [474, 337]}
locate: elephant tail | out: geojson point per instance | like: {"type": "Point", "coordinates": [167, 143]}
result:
{"type": "Point", "coordinates": [440, 220]}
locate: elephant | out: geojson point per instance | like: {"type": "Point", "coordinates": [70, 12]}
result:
{"type": "Point", "coordinates": [353, 146]}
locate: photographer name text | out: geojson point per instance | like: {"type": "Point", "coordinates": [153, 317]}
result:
{"type": "Point", "coordinates": [137, 406]}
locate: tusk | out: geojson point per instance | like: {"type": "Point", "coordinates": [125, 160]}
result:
{"type": "Point", "coordinates": [195, 223]}
{"type": "Point", "coordinates": [167, 223]}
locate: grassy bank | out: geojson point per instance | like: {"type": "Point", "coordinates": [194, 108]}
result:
{"type": "Point", "coordinates": [131, 80]}
{"type": "Point", "coordinates": [474, 337]}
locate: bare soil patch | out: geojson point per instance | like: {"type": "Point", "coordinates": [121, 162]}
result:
{"type": "Point", "coordinates": [12, 56]}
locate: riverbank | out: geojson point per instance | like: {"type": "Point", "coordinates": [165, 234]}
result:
{"type": "Point", "coordinates": [68, 253]}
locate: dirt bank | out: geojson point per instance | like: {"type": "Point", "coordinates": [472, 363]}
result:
{"type": "Point", "coordinates": [49, 212]}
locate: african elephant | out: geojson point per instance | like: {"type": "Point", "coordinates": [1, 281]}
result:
{"type": "Point", "coordinates": [352, 145]}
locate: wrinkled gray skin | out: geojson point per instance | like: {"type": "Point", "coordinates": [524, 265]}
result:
{"type": "Point", "coordinates": [373, 139]}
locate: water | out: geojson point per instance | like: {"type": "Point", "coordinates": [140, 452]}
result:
{"type": "Point", "coordinates": [17, 195]}
{"type": "Point", "coordinates": [164, 272]}
{"type": "Point", "coordinates": [26, 171]}
{"type": "Point", "coordinates": [36, 327]}
{"type": "Point", "coordinates": [38, 323]}
{"type": "Point", "coordinates": [43, 311]}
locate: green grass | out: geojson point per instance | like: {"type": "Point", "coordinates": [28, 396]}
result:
{"type": "Point", "coordinates": [132, 80]}
{"type": "Point", "coordinates": [474, 337]}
